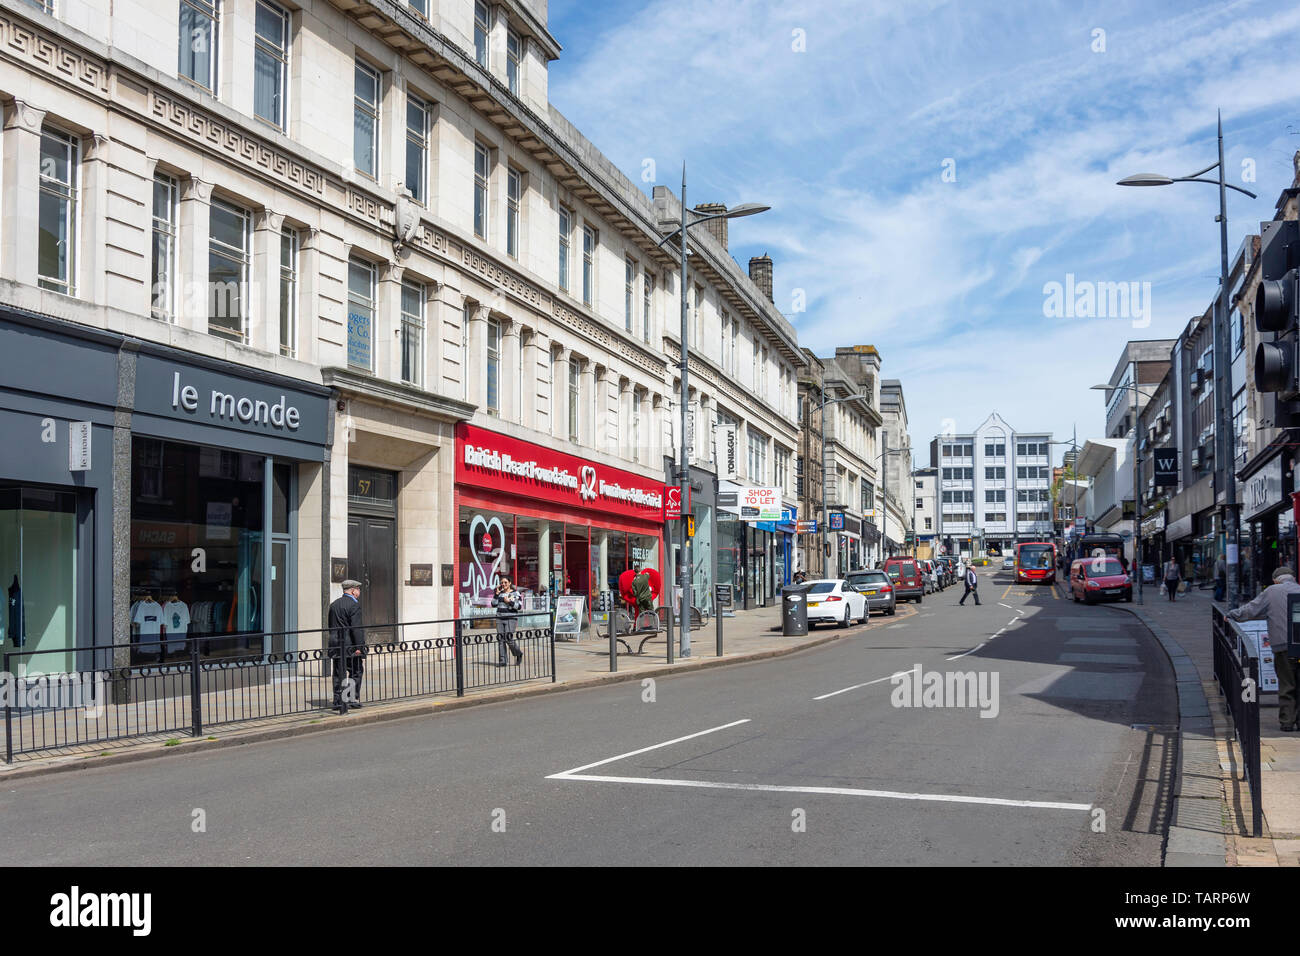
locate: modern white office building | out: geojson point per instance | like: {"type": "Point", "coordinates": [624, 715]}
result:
{"type": "Point", "coordinates": [994, 486]}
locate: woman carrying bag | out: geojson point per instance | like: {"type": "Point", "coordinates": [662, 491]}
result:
{"type": "Point", "coordinates": [1172, 577]}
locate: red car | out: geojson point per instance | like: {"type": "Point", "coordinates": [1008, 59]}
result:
{"type": "Point", "coordinates": [1100, 579]}
{"type": "Point", "coordinates": [906, 575]}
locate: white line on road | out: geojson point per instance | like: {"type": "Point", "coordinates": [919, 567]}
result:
{"type": "Point", "coordinates": [837, 791]}
{"type": "Point", "coordinates": [666, 743]}
{"type": "Point", "coordinates": [1019, 611]}
{"type": "Point", "coordinates": [1007, 606]}
{"type": "Point", "coordinates": [971, 651]}
{"type": "Point", "coordinates": [845, 690]}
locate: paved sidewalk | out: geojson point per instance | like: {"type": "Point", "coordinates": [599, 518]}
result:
{"type": "Point", "coordinates": [1183, 625]}
{"type": "Point", "coordinates": [748, 636]}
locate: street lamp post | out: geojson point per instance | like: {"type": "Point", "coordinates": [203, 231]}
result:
{"type": "Point", "coordinates": [1133, 387]}
{"type": "Point", "coordinates": [825, 501]}
{"type": "Point", "coordinates": [884, 495]}
{"type": "Point", "coordinates": [684, 461]}
{"type": "Point", "coordinates": [1224, 453]}
{"type": "Point", "coordinates": [1074, 482]}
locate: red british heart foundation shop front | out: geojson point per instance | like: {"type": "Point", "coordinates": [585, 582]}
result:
{"type": "Point", "coordinates": [556, 523]}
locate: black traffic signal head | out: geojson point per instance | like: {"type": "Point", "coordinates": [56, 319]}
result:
{"type": "Point", "coordinates": [1277, 308]}
{"type": "Point", "coordinates": [1275, 301]}
{"type": "Point", "coordinates": [1274, 366]}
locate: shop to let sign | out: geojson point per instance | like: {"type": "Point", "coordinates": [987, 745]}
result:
{"type": "Point", "coordinates": [759, 504]}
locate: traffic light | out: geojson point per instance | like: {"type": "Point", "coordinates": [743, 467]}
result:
{"type": "Point", "coordinates": [1277, 311]}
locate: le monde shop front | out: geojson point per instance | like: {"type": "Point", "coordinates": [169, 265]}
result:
{"type": "Point", "coordinates": [555, 523]}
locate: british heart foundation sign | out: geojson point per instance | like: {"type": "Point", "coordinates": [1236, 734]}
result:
{"type": "Point", "coordinates": [487, 459]}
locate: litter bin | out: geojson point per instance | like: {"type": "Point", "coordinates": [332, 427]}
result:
{"type": "Point", "coordinates": [794, 610]}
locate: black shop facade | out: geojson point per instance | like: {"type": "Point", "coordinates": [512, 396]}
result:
{"type": "Point", "coordinates": [151, 495]}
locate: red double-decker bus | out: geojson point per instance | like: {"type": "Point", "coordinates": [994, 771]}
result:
{"type": "Point", "coordinates": [1036, 561]}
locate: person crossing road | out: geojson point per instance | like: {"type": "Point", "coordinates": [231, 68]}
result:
{"type": "Point", "coordinates": [972, 586]}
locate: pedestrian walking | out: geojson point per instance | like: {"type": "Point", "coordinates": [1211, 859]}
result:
{"type": "Point", "coordinates": [507, 602]}
{"type": "Point", "coordinates": [972, 586]}
{"type": "Point", "coordinates": [1220, 578]}
{"type": "Point", "coordinates": [1272, 606]}
{"type": "Point", "coordinates": [1172, 578]}
{"type": "Point", "coordinates": [347, 646]}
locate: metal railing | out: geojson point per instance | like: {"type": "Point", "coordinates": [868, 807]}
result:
{"type": "Point", "coordinates": [115, 694]}
{"type": "Point", "coordinates": [1236, 668]}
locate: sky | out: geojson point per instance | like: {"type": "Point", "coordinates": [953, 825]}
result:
{"type": "Point", "coordinates": [941, 172]}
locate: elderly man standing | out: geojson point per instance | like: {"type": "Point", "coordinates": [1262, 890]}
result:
{"type": "Point", "coordinates": [1272, 605]}
{"type": "Point", "coordinates": [347, 646]}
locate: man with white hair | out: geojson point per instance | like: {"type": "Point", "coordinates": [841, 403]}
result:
{"type": "Point", "coordinates": [1272, 605]}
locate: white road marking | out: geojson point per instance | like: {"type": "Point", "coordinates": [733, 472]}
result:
{"type": "Point", "coordinates": [971, 651]}
{"type": "Point", "coordinates": [633, 753]}
{"type": "Point", "coordinates": [1019, 611]}
{"type": "Point", "coordinates": [835, 791]}
{"type": "Point", "coordinates": [1007, 606]}
{"type": "Point", "coordinates": [845, 690]}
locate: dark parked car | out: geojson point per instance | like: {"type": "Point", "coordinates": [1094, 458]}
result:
{"type": "Point", "coordinates": [949, 565]}
{"type": "Point", "coordinates": [877, 588]}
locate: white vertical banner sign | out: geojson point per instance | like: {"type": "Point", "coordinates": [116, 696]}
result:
{"type": "Point", "coordinates": [690, 432]}
{"type": "Point", "coordinates": [726, 452]}
{"type": "Point", "coordinates": [79, 446]}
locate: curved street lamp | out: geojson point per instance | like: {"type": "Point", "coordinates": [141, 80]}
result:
{"type": "Point", "coordinates": [1221, 364]}
{"type": "Point", "coordinates": [684, 461]}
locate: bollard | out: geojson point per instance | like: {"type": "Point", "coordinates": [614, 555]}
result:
{"type": "Point", "coordinates": [460, 659]}
{"type": "Point", "coordinates": [671, 617]}
{"type": "Point", "coordinates": [196, 689]}
{"type": "Point", "coordinates": [718, 623]}
{"type": "Point", "coordinates": [9, 729]}
{"type": "Point", "coordinates": [613, 645]}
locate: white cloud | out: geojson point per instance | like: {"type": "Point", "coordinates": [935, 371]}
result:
{"type": "Point", "coordinates": [847, 142]}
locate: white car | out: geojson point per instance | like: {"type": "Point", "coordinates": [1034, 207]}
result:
{"type": "Point", "coordinates": [1008, 563]}
{"type": "Point", "coordinates": [833, 600]}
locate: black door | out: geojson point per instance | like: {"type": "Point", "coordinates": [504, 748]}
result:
{"type": "Point", "coordinates": [372, 560]}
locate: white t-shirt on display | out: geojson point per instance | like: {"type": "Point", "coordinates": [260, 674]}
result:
{"type": "Point", "coordinates": [148, 614]}
{"type": "Point", "coordinates": [176, 618]}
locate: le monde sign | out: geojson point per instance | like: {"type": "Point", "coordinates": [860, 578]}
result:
{"type": "Point", "coordinates": [224, 405]}
{"type": "Point", "coordinates": [209, 397]}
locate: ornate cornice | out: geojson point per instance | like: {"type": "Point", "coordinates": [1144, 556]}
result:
{"type": "Point", "coordinates": [22, 42]}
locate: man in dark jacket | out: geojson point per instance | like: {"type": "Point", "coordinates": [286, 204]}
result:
{"type": "Point", "coordinates": [972, 585]}
{"type": "Point", "coordinates": [347, 646]}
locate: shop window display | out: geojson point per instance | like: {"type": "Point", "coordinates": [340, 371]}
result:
{"type": "Point", "coordinates": [38, 578]}
{"type": "Point", "coordinates": [196, 550]}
